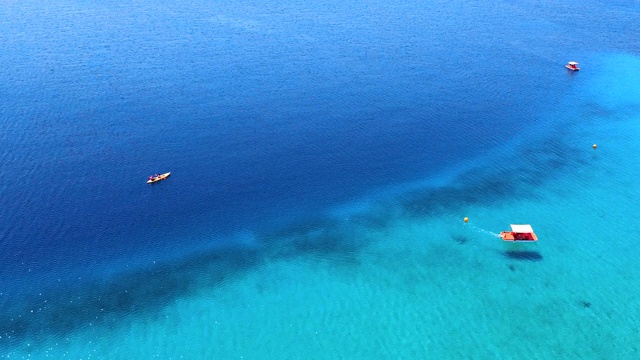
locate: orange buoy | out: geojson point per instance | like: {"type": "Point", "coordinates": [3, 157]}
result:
{"type": "Point", "coordinates": [466, 219]}
{"type": "Point", "coordinates": [595, 146]}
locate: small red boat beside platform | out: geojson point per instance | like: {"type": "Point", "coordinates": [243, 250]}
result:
{"type": "Point", "coordinates": [572, 65]}
{"type": "Point", "coordinates": [519, 233]}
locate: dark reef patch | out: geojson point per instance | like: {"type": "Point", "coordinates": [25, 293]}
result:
{"type": "Point", "coordinates": [66, 307]}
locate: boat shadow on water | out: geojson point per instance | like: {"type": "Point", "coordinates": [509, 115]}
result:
{"type": "Point", "coordinates": [523, 255]}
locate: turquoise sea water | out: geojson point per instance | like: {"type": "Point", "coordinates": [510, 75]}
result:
{"type": "Point", "coordinates": [323, 158]}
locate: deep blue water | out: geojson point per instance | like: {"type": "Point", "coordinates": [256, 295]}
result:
{"type": "Point", "coordinates": [263, 112]}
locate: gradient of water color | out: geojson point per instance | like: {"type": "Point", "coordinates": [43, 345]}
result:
{"type": "Point", "coordinates": [323, 157]}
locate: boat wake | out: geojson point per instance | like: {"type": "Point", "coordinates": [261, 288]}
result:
{"type": "Point", "coordinates": [484, 231]}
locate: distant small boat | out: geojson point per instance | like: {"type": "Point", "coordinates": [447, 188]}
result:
{"type": "Point", "coordinates": [572, 65]}
{"type": "Point", "coordinates": [519, 233]}
{"type": "Point", "coordinates": [158, 177]}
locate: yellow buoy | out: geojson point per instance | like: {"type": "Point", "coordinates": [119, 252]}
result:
{"type": "Point", "coordinates": [466, 219]}
{"type": "Point", "coordinates": [595, 146]}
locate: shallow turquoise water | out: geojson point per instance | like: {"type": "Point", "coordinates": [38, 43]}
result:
{"type": "Point", "coordinates": [335, 230]}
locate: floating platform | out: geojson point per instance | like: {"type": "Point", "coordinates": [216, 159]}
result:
{"type": "Point", "coordinates": [519, 233]}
